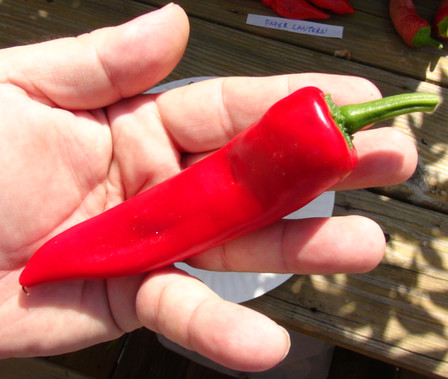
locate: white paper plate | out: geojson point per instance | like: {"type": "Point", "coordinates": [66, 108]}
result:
{"type": "Point", "coordinates": [235, 286]}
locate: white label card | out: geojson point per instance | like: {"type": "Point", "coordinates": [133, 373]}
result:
{"type": "Point", "coordinates": [295, 26]}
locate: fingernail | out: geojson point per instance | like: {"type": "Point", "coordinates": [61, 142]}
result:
{"type": "Point", "coordinates": [288, 338]}
{"type": "Point", "coordinates": [168, 5]}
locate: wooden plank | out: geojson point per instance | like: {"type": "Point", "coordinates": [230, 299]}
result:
{"type": "Point", "coordinates": [368, 34]}
{"type": "Point", "coordinates": [351, 365]}
{"type": "Point", "coordinates": [399, 311]}
{"type": "Point", "coordinates": [144, 356]}
{"type": "Point", "coordinates": [36, 368]}
{"type": "Point", "coordinates": [98, 361]}
{"type": "Point", "coordinates": [45, 20]}
{"type": "Point", "coordinates": [348, 364]}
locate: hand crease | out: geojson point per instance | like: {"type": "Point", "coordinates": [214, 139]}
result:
{"type": "Point", "coordinates": [226, 121]}
{"type": "Point", "coordinates": [191, 330]}
{"type": "Point", "coordinates": [111, 312]}
{"type": "Point", "coordinates": [106, 70]}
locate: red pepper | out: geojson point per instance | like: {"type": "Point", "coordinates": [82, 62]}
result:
{"type": "Point", "coordinates": [300, 148]}
{"type": "Point", "coordinates": [295, 9]}
{"type": "Point", "coordinates": [441, 20]}
{"type": "Point", "coordinates": [336, 6]}
{"type": "Point", "coordinates": [413, 29]}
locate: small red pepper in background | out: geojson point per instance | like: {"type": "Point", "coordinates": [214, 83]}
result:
{"type": "Point", "coordinates": [336, 6]}
{"type": "Point", "coordinates": [300, 148]}
{"type": "Point", "coordinates": [302, 9]}
{"type": "Point", "coordinates": [441, 20]}
{"type": "Point", "coordinates": [413, 29]}
{"type": "Point", "coordinates": [295, 9]}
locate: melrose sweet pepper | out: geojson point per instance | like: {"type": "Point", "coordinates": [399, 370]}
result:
{"type": "Point", "coordinates": [300, 148]}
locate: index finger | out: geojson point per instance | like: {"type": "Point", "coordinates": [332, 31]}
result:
{"type": "Point", "coordinates": [204, 116]}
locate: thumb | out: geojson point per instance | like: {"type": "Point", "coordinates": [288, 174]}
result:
{"type": "Point", "coordinates": [101, 67]}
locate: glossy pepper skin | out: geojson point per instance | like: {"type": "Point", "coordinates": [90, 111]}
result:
{"type": "Point", "coordinates": [414, 30]}
{"type": "Point", "coordinates": [295, 9]}
{"type": "Point", "coordinates": [441, 20]}
{"type": "Point", "coordinates": [303, 9]}
{"type": "Point", "coordinates": [336, 6]}
{"type": "Point", "coordinates": [290, 156]}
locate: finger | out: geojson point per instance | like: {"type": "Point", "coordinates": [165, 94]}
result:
{"type": "Point", "coordinates": [190, 314]}
{"type": "Point", "coordinates": [350, 244]}
{"type": "Point", "coordinates": [97, 69]}
{"type": "Point", "coordinates": [208, 114]}
{"type": "Point", "coordinates": [386, 156]}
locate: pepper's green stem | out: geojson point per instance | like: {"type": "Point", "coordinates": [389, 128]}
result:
{"type": "Point", "coordinates": [423, 37]}
{"type": "Point", "coordinates": [353, 117]}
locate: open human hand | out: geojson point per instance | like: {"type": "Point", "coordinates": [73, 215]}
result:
{"type": "Point", "coordinates": [78, 138]}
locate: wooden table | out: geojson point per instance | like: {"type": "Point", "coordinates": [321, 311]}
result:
{"type": "Point", "coordinates": [398, 312]}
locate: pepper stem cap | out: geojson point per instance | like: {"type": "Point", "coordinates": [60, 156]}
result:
{"type": "Point", "coordinates": [423, 37]}
{"type": "Point", "coordinates": [354, 117]}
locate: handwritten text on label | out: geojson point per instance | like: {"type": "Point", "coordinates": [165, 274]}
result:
{"type": "Point", "coordinates": [296, 26]}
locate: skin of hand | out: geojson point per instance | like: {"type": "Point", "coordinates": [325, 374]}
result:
{"type": "Point", "coordinates": [77, 138]}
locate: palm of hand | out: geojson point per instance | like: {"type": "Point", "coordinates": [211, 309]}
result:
{"type": "Point", "coordinates": [56, 168]}
{"type": "Point", "coordinates": [59, 168]}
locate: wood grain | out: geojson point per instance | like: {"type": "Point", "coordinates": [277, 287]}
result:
{"type": "Point", "coordinates": [368, 34]}
{"type": "Point", "coordinates": [36, 368]}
